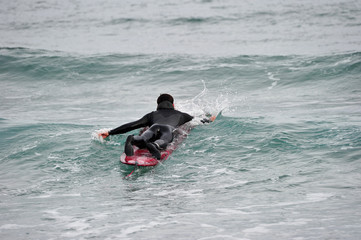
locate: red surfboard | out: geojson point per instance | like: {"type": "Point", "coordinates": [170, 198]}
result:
{"type": "Point", "coordinates": [142, 157]}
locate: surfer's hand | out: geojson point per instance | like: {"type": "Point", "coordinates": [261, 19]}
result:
{"type": "Point", "coordinates": [104, 134]}
{"type": "Point", "coordinates": [208, 120]}
{"type": "Point", "coordinates": [205, 120]}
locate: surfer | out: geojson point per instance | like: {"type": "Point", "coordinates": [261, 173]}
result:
{"type": "Point", "coordinates": [161, 123]}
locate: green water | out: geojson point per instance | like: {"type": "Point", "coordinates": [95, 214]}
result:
{"type": "Point", "coordinates": [281, 161]}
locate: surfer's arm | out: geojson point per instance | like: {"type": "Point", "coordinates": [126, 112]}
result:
{"type": "Point", "coordinates": [186, 118]}
{"type": "Point", "coordinates": [143, 122]}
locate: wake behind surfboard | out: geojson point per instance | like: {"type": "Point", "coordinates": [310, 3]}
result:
{"type": "Point", "coordinates": [143, 158]}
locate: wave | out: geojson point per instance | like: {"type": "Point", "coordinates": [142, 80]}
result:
{"type": "Point", "coordinates": [199, 20]}
{"type": "Point", "coordinates": [120, 21]}
{"type": "Point", "coordinates": [18, 53]}
{"type": "Point", "coordinates": [170, 21]}
{"type": "Point", "coordinates": [43, 64]}
{"type": "Point", "coordinates": [253, 71]}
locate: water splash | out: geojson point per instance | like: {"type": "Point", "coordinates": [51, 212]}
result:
{"type": "Point", "coordinates": [205, 104]}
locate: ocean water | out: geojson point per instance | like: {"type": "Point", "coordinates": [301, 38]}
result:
{"type": "Point", "coordinates": [281, 161]}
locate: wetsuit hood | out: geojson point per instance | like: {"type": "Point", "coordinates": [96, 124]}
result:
{"type": "Point", "coordinates": [165, 105]}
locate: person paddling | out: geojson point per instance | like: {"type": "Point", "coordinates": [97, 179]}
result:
{"type": "Point", "coordinates": [162, 123]}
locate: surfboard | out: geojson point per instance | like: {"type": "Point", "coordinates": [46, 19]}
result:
{"type": "Point", "coordinates": [142, 157]}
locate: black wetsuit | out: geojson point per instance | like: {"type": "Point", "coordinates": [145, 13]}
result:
{"type": "Point", "coordinates": [161, 125]}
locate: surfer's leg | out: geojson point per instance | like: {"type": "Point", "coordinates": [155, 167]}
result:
{"type": "Point", "coordinates": [139, 141]}
{"type": "Point", "coordinates": [153, 150]}
{"type": "Point", "coordinates": [157, 137]}
{"type": "Point", "coordinates": [166, 137]}
{"type": "Point", "coordinates": [128, 149]}
{"type": "Point", "coordinates": [149, 136]}
{"type": "Point", "coordinates": [146, 140]}
{"type": "Point", "coordinates": [142, 140]}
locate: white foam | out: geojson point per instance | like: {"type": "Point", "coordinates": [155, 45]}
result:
{"type": "Point", "coordinates": [266, 228]}
{"type": "Point", "coordinates": [273, 78]}
{"type": "Point", "coordinates": [135, 228]}
{"type": "Point", "coordinates": [257, 229]}
{"type": "Point", "coordinates": [318, 197]}
{"type": "Point", "coordinates": [222, 237]}
{"type": "Point", "coordinates": [74, 227]}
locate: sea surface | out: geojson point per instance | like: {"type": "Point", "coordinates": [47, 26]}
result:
{"type": "Point", "coordinates": [281, 161]}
